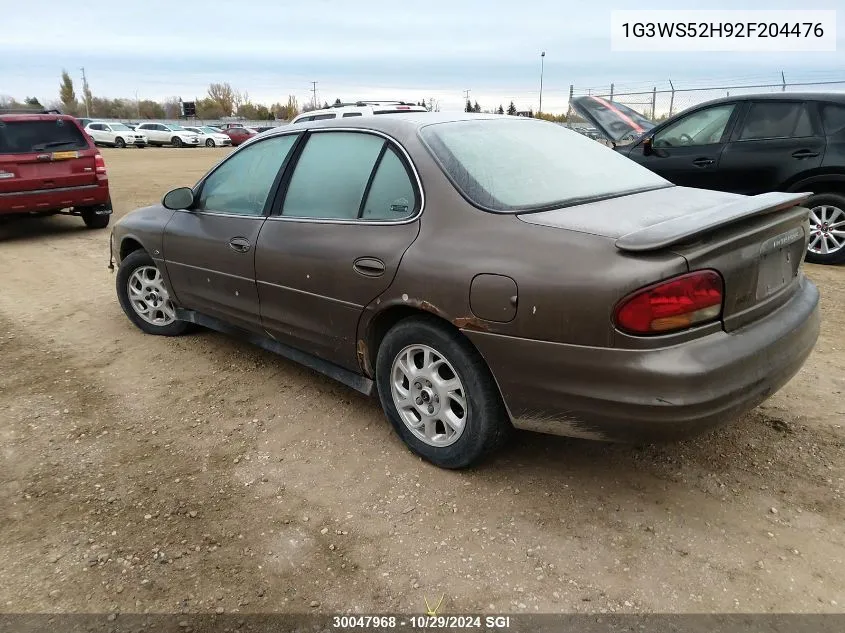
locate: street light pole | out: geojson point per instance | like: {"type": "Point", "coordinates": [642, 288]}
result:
{"type": "Point", "coordinates": [542, 59]}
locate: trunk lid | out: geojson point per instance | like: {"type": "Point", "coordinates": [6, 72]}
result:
{"type": "Point", "coordinates": [757, 243]}
{"type": "Point", "coordinates": [39, 153]}
{"type": "Point", "coordinates": [618, 123]}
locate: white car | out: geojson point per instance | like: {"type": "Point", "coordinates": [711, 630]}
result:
{"type": "Point", "coordinates": [359, 108]}
{"type": "Point", "coordinates": [211, 136]}
{"type": "Point", "coordinates": [115, 134]}
{"type": "Point", "coordinates": [168, 134]}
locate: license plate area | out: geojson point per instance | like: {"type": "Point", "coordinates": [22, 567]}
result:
{"type": "Point", "coordinates": [780, 260]}
{"type": "Point", "coordinates": [64, 155]}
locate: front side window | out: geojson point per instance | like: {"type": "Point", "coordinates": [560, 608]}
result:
{"type": "Point", "coordinates": [510, 164]}
{"type": "Point", "coordinates": [331, 175]}
{"type": "Point", "coordinates": [704, 127]}
{"type": "Point", "coordinates": [775, 119]}
{"type": "Point", "coordinates": [240, 185]}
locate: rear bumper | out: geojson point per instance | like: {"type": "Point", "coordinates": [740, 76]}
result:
{"type": "Point", "coordinates": [657, 394]}
{"type": "Point", "coordinates": [45, 200]}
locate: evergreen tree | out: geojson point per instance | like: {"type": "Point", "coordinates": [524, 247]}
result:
{"type": "Point", "coordinates": [501, 110]}
{"type": "Point", "coordinates": [512, 109]}
{"type": "Point", "coordinates": [468, 107]}
{"type": "Point", "coordinates": [476, 107]}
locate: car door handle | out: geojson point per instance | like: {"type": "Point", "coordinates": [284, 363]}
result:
{"type": "Point", "coordinates": [703, 162]}
{"type": "Point", "coordinates": [804, 153]}
{"type": "Point", "coordinates": [369, 266]}
{"type": "Point", "coordinates": [239, 244]}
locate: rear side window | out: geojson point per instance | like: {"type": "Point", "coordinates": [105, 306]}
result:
{"type": "Point", "coordinates": [346, 114]}
{"type": "Point", "coordinates": [25, 137]}
{"type": "Point", "coordinates": [776, 120]}
{"type": "Point", "coordinates": [391, 195]}
{"type": "Point", "coordinates": [321, 117]}
{"type": "Point", "coordinates": [833, 118]}
{"type": "Point", "coordinates": [331, 175]}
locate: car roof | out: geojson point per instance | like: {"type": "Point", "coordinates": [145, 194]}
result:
{"type": "Point", "coordinates": [838, 97]}
{"type": "Point", "coordinates": [395, 123]}
{"type": "Point", "coordinates": [36, 117]}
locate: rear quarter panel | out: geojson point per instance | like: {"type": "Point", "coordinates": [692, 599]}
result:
{"type": "Point", "coordinates": [567, 282]}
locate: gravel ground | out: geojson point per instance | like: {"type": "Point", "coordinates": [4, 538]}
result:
{"type": "Point", "coordinates": [202, 475]}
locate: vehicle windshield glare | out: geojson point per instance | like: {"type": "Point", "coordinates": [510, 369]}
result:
{"type": "Point", "coordinates": [176, 128]}
{"type": "Point", "coordinates": [512, 165]}
{"type": "Point", "coordinates": [120, 127]}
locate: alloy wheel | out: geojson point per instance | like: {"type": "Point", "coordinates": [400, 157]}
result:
{"type": "Point", "coordinates": [429, 395]}
{"type": "Point", "coordinates": [827, 229]}
{"type": "Point", "coordinates": [148, 296]}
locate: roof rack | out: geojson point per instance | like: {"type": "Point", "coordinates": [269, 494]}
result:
{"type": "Point", "coordinates": [373, 102]}
{"type": "Point", "coordinates": [27, 111]}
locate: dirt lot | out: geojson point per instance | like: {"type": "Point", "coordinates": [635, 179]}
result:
{"type": "Point", "coordinates": [201, 474]}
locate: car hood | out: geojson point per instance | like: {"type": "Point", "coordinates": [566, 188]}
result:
{"type": "Point", "coordinates": [623, 215]}
{"type": "Point", "coordinates": [615, 121]}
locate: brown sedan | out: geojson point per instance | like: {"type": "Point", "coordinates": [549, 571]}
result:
{"type": "Point", "coordinates": [482, 273]}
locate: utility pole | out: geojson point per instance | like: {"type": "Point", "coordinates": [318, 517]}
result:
{"type": "Point", "coordinates": [85, 92]}
{"type": "Point", "coordinates": [314, 92]}
{"type": "Point", "coordinates": [542, 59]}
{"type": "Point", "coordinates": [466, 98]}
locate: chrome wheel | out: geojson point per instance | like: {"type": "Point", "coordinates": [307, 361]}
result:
{"type": "Point", "coordinates": [148, 296]}
{"type": "Point", "coordinates": [428, 395]}
{"type": "Point", "coordinates": [827, 229]}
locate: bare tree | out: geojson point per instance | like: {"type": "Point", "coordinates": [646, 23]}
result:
{"type": "Point", "coordinates": [67, 95]}
{"type": "Point", "coordinates": [223, 94]}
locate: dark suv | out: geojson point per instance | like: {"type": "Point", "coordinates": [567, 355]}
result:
{"type": "Point", "coordinates": [49, 165]}
{"type": "Point", "coordinates": [793, 142]}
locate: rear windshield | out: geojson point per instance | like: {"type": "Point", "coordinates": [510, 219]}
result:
{"type": "Point", "coordinates": [509, 165]}
{"type": "Point", "coordinates": [24, 137]}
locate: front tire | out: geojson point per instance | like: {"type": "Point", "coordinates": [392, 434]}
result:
{"type": "Point", "coordinates": [119, 143]}
{"type": "Point", "coordinates": [144, 298]}
{"type": "Point", "coordinates": [209, 142]}
{"type": "Point", "coordinates": [827, 228]}
{"type": "Point", "coordinates": [439, 394]}
{"type": "Point", "coordinates": [176, 141]}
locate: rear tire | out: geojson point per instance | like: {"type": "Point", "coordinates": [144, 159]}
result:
{"type": "Point", "coordinates": [150, 298]}
{"type": "Point", "coordinates": [119, 143]}
{"type": "Point", "coordinates": [459, 387]}
{"type": "Point", "coordinates": [176, 141]}
{"type": "Point", "coordinates": [827, 228]}
{"type": "Point", "coordinates": [94, 220]}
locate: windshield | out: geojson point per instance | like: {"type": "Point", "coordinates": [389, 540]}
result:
{"type": "Point", "coordinates": [120, 127]}
{"type": "Point", "coordinates": [23, 137]}
{"type": "Point", "coordinates": [208, 130]}
{"type": "Point", "coordinates": [509, 165]}
{"type": "Point", "coordinates": [176, 128]}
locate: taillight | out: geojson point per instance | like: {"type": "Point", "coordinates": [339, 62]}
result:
{"type": "Point", "coordinates": [100, 167]}
{"type": "Point", "coordinates": [681, 302]}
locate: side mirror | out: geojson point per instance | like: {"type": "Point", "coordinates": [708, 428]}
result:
{"type": "Point", "coordinates": [648, 147]}
{"type": "Point", "coordinates": [178, 199]}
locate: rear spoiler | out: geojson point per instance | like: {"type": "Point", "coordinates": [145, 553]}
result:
{"type": "Point", "coordinates": [684, 227]}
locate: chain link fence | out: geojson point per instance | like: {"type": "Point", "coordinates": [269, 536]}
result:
{"type": "Point", "coordinates": [661, 102]}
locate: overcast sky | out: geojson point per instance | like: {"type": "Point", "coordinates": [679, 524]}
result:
{"type": "Point", "coordinates": [399, 49]}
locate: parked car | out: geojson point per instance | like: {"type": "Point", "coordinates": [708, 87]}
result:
{"type": "Point", "coordinates": [211, 137]}
{"type": "Point", "coordinates": [168, 134]}
{"type": "Point", "coordinates": [239, 135]}
{"type": "Point", "coordinates": [749, 144]}
{"type": "Point", "coordinates": [48, 165]}
{"type": "Point", "coordinates": [115, 134]}
{"type": "Point", "coordinates": [358, 108]}
{"type": "Point", "coordinates": [481, 273]}
{"type": "Point", "coordinates": [84, 122]}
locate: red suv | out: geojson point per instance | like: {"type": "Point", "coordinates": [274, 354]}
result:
{"type": "Point", "coordinates": [49, 165]}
